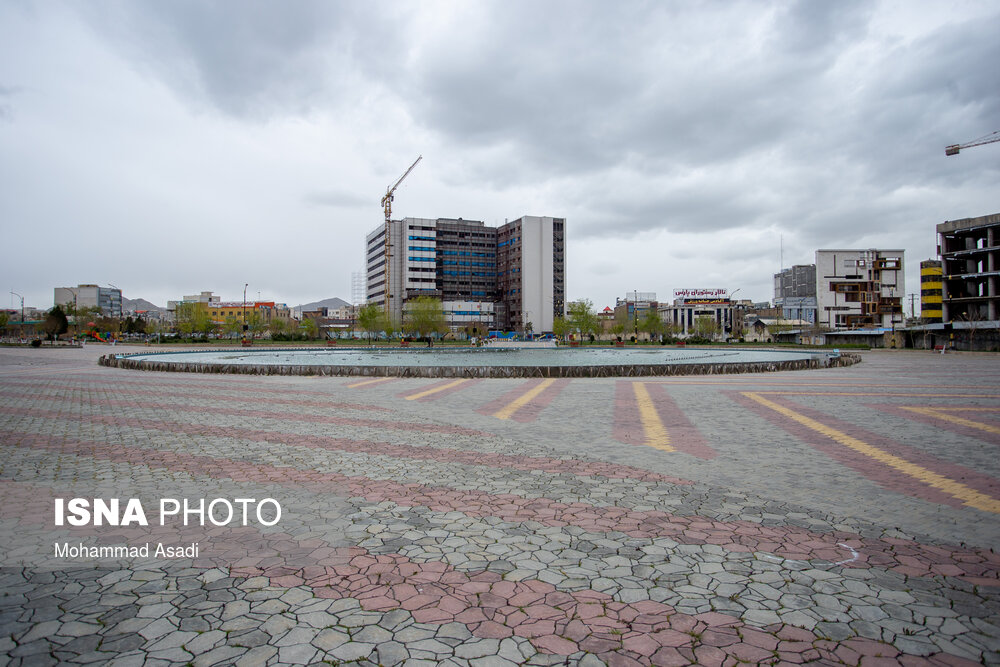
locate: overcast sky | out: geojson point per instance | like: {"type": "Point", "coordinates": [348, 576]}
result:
{"type": "Point", "coordinates": [173, 147]}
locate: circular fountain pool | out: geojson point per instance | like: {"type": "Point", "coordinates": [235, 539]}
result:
{"type": "Point", "coordinates": [479, 362]}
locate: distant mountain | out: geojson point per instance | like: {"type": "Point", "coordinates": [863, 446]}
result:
{"type": "Point", "coordinates": [332, 303]}
{"type": "Point", "coordinates": [138, 304]}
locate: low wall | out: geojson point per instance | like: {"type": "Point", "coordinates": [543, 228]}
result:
{"type": "Point", "coordinates": [627, 370]}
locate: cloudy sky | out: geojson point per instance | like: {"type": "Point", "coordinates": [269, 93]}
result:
{"type": "Point", "coordinates": [173, 147]}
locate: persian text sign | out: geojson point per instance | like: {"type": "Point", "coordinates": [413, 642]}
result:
{"type": "Point", "coordinates": [700, 293]}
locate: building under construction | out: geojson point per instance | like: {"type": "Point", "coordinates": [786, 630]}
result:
{"type": "Point", "coordinates": [970, 264]}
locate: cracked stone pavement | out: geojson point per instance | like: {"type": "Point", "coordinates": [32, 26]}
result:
{"type": "Point", "coordinates": [836, 516]}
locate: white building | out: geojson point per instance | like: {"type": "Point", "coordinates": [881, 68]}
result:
{"type": "Point", "coordinates": [714, 306]}
{"type": "Point", "coordinates": [108, 299]}
{"type": "Point", "coordinates": [859, 289]}
{"type": "Point", "coordinates": [531, 264]}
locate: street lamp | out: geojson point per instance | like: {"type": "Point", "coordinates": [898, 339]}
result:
{"type": "Point", "coordinates": [245, 312]}
{"type": "Point", "coordinates": [22, 310]}
{"type": "Point", "coordinates": [732, 311]}
{"type": "Point", "coordinates": [635, 316]}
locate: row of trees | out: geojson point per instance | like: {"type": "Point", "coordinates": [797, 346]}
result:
{"type": "Point", "coordinates": [424, 317]}
{"type": "Point", "coordinates": [582, 319]}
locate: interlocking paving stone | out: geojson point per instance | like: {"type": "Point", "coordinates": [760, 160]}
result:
{"type": "Point", "coordinates": [462, 531]}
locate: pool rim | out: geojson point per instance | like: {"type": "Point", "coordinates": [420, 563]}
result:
{"type": "Point", "coordinates": [816, 359]}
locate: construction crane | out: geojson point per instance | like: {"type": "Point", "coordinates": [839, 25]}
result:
{"type": "Point", "coordinates": [387, 205]}
{"type": "Point", "coordinates": [988, 139]}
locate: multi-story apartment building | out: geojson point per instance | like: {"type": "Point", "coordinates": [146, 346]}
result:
{"type": "Point", "coordinates": [795, 292]}
{"type": "Point", "coordinates": [484, 276]}
{"type": "Point", "coordinates": [930, 290]}
{"type": "Point", "coordinates": [108, 299]}
{"type": "Point", "coordinates": [859, 289]}
{"type": "Point", "coordinates": [531, 266]}
{"type": "Point", "coordinates": [970, 255]}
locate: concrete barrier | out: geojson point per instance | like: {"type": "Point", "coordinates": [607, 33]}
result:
{"type": "Point", "coordinates": [625, 370]}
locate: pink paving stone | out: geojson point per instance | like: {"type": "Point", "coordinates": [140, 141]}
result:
{"type": "Point", "coordinates": [525, 598]}
{"type": "Point", "coordinates": [418, 602]}
{"type": "Point", "coordinates": [749, 653]}
{"type": "Point", "coordinates": [535, 629]}
{"type": "Point", "coordinates": [381, 603]}
{"type": "Point", "coordinates": [432, 615]}
{"type": "Point", "coordinates": [515, 617]}
{"type": "Point", "coordinates": [871, 647]}
{"type": "Point", "coordinates": [558, 598]}
{"type": "Point", "coordinates": [712, 619]}
{"type": "Point", "coordinates": [707, 656]}
{"type": "Point", "coordinates": [870, 661]}
{"type": "Point", "coordinates": [641, 644]}
{"type": "Point", "coordinates": [492, 630]}
{"type": "Point", "coordinates": [576, 630]}
{"type": "Point", "coordinates": [620, 660]}
{"type": "Point", "coordinates": [761, 639]}
{"type": "Point", "coordinates": [599, 645]}
{"type": "Point", "coordinates": [669, 657]}
{"type": "Point", "coordinates": [554, 644]}
{"type": "Point", "coordinates": [672, 638]}
{"type": "Point", "coordinates": [846, 654]}
{"type": "Point", "coordinates": [453, 604]}
{"type": "Point", "coordinates": [471, 616]}
{"type": "Point", "coordinates": [720, 639]}
{"type": "Point", "coordinates": [541, 611]}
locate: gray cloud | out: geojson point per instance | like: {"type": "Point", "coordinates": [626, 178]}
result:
{"type": "Point", "coordinates": [687, 124]}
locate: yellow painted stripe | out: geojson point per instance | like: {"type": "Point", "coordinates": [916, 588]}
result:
{"type": "Point", "coordinates": [508, 410]}
{"type": "Point", "coordinates": [429, 392]}
{"type": "Point", "coordinates": [862, 393]}
{"type": "Point", "coordinates": [943, 416]}
{"type": "Point", "coordinates": [969, 496]}
{"type": "Point", "coordinates": [368, 382]}
{"type": "Point", "coordinates": [656, 433]}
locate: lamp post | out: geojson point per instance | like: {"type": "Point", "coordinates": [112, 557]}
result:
{"type": "Point", "coordinates": [22, 310]}
{"type": "Point", "coordinates": [245, 312]}
{"type": "Point", "coordinates": [732, 311]}
{"type": "Point", "coordinates": [635, 316]}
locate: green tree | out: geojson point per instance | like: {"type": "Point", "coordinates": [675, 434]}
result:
{"type": "Point", "coordinates": [232, 326]}
{"type": "Point", "coordinates": [310, 328]}
{"type": "Point", "coordinates": [256, 323]}
{"type": "Point", "coordinates": [706, 327]}
{"type": "Point", "coordinates": [424, 317]}
{"type": "Point", "coordinates": [55, 323]}
{"type": "Point", "coordinates": [278, 326]}
{"type": "Point", "coordinates": [370, 319]}
{"type": "Point", "coordinates": [560, 327]}
{"type": "Point", "coordinates": [192, 319]}
{"type": "Point", "coordinates": [651, 324]}
{"type": "Point", "coordinates": [4, 319]}
{"type": "Point", "coordinates": [583, 318]}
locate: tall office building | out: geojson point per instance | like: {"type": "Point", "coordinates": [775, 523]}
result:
{"type": "Point", "coordinates": [531, 261]}
{"type": "Point", "coordinates": [459, 262]}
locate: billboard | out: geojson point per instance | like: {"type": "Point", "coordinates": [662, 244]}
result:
{"type": "Point", "coordinates": [701, 293]}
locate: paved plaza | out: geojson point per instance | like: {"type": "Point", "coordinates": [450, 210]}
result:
{"type": "Point", "coordinates": [836, 516]}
